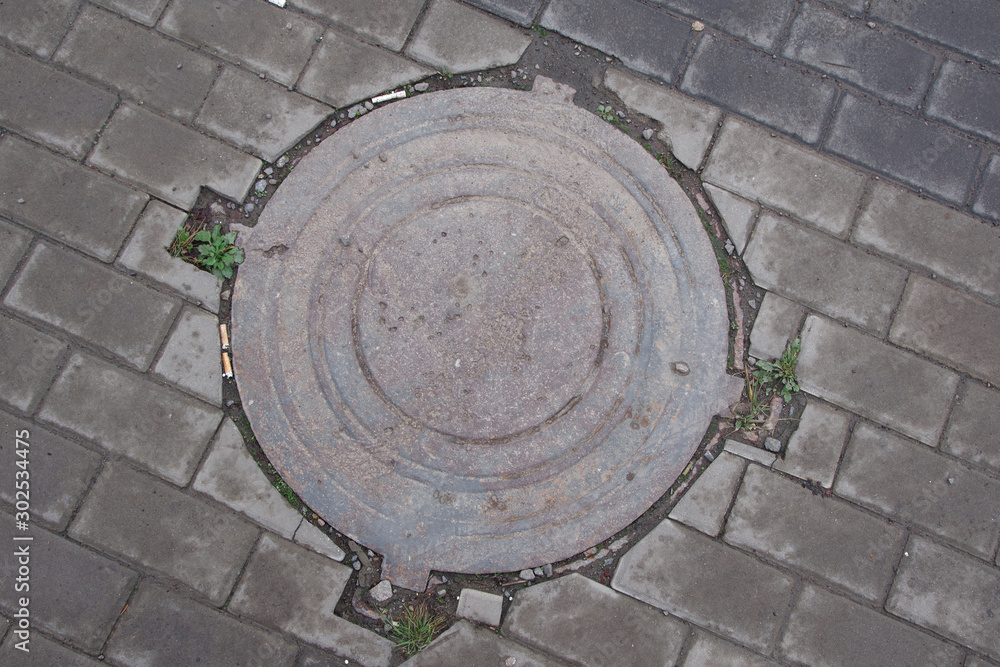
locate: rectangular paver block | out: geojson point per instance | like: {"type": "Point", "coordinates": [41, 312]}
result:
{"type": "Point", "coordinates": [777, 325]}
{"type": "Point", "coordinates": [965, 95]}
{"type": "Point", "coordinates": [37, 26]}
{"type": "Point", "coordinates": [710, 651]}
{"type": "Point", "coordinates": [14, 241]}
{"type": "Point", "coordinates": [160, 428]}
{"type": "Point", "coordinates": [463, 644]}
{"type": "Point", "coordinates": [750, 453]}
{"type": "Point", "coordinates": [308, 535]}
{"type": "Point", "coordinates": [191, 358]}
{"type": "Point", "coordinates": [43, 652]}
{"type": "Point", "coordinates": [145, 12]}
{"type": "Point", "coordinates": [814, 449]}
{"type": "Point", "coordinates": [759, 22]}
{"type": "Point", "coordinates": [987, 202]}
{"type": "Point", "coordinates": [705, 504]}
{"type": "Point", "coordinates": [388, 22]}
{"type": "Point", "coordinates": [974, 427]}
{"type": "Point", "coordinates": [737, 213]}
{"type": "Point", "coordinates": [522, 12]}
{"type": "Point", "coordinates": [480, 606]}
{"type": "Point", "coordinates": [29, 359]}
{"type": "Point", "coordinates": [967, 25]}
{"type": "Point", "coordinates": [873, 379]}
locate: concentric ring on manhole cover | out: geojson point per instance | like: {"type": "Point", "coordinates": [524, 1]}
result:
{"type": "Point", "coordinates": [479, 330]}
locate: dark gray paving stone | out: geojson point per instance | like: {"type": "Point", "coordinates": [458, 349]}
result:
{"type": "Point", "coordinates": [965, 95]}
{"type": "Point", "coordinates": [967, 25]}
{"type": "Point", "coordinates": [814, 450]}
{"type": "Point", "coordinates": [89, 300]}
{"type": "Point", "coordinates": [948, 592]}
{"type": "Point", "coordinates": [922, 154]}
{"type": "Point", "coordinates": [163, 629]}
{"type": "Point", "coordinates": [757, 21]}
{"type": "Point", "coordinates": [704, 505]}
{"type": "Point", "coordinates": [36, 26]}
{"type": "Point", "coordinates": [876, 380]}
{"type": "Point", "coordinates": [42, 652]}
{"type": "Point", "coordinates": [974, 427]}
{"type": "Point", "coordinates": [825, 629]}
{"type": "Point", "coordinates": [190, 357]}
{"type": "Point", "coordinates": [710, 651]}
{"type": "Point", "coordinates": [143, 64]}
{"type": "Point", "coordinates": [28, 362]}
{"type": "Point", "coordinates": [755, 85]}
{"type": "Point", "coordinates": [715, 586]}
{"type": "Point", "coordinates": [987, 203]}
{"type": "Point", "coordinates": [145, 12]}
{"type": "Point", "coordinates": [465, 645]}
{"type": "Point", "coordinates": [849, 50]}
{"type": "Point", "coordinates": [644, 39]}
{"type": "Point", "coordinates": [60, 470]}
{"type": "Point", "coordinates": [73, 593]}
{"type": "Point", "coordinates": [914, 484]}
{"type": "Point", "coordinates": [262, 37]}
{"type": "Point", "coordinates": [14, 241]}
{"type": "Point", "coordinates": [522, 12]}
{"type": "Point", "coordinates": [160, 428]}
{"type": "Point", "coordinates": [581, 620]}
{"type": "Point", "coordinates": [387, 22]}
{"type": "Point", "coordinates": [855, 8]}
{"type": "Point", "coordinates": [151, 523]}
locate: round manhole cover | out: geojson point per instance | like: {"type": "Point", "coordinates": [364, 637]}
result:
{"type": "Point", "coordinates": [479, 330]}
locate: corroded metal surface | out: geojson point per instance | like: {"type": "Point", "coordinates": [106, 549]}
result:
{"type": "Point", "coordinates": [479, 330]}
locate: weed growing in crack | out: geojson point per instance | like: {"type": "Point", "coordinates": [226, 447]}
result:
{"type": "Point", "coordinates": [606, 112]}
{"type": "Point", "coordinates": [781, 372]}
{"type": "Point", "coordinates": [416, 629]}
{"type": "Point", "coordinates": [217, 252]}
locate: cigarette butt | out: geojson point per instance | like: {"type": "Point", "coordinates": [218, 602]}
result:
{"type": "Point", "coordinates": [224, 335]}
{"type": "Point", "coordinates": [227, 367]}
{"type": "Point", "coordinates": [389, 96]}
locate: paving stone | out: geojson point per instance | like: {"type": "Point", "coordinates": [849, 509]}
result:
{"type": "Point", "coordinates": [464, 645]}
{"type": "Point", "coordinates": [14, 241]}
{"type": "Point", "coordinates": [821, 272]}
{"type": "Point", "coordinates": [776, 325]}
{"type": "Point", "coordinates": [294, 590]}
{"type": "Point", "coordinates": [145, 12]}
{"type": "Point", "coordinates": [949, 326]}
{"type": "Point", "coordinates": [747, 161]}
{"type": "Point", "coordinates": [89, 300]}
{"type": "Point", "coordinates": [43, 652]}
{"type": "Point", "coordinates": [866, 376]}
{"type": "Point", "coordinates": [767, 90]}
{"type": "Point", "coordinates": [41, 102]}
{"type": "Point", "coordinates": [231, 476]}
{"type": "Point", "coordinates": [704, 506]}
{"type": "Point", "coordinates": [987, 202]}
{"type": "Point", "coordinates": [345, 70]}
{"type": "Point", "coordinates": [644, 39]}
{"type": "Point", "coordinates": [688, 125]}
{"type": "Point", "coordinates": [36, 26]}
{"type": "Point", "coordinates": [965, 95]}
{"type": "Point", "coordinates": [480, 606]}
{"type": "Point", "coordinates": [581, 620]}
{"type": "Point", "coordinates": [756, 454]}
{"type": "Point", "coordinates": [950, 593]}
{"type": "Point", "coordinates": [522, 12]}
{"type": "Point", "coordinates": [29, 360]}
{"type": "Point", "coordinates": [259, 116]}
{"type": "Point", "coordinates": [823, 536]}
{"type": "Point", "coordinates": [191, 358]}
{"type": "Point", "coordinates": [924, 155]}
{"type": "Point", "coordinates": [73, 593]}
{"type": "Point", "coordinates": [917, 485]}
{"type": "Point", "coordinates": [757, 21]}
{"type": "Point", "coordinates": [976, 661]}
{"type": "Point", "coordinates": [76, 205]}
{"type": "Point", "coordinates": [281, 42]}
{"type": "Point", "coordinates": [826, 629]}
{"type": "Point", "coordinates": [737, 214]}
{"type": "Point", "coordinates": [387, 22]}
{"type": "Point", "coordinates": [954, 245]}
{"type": "Point", "coordinates": [814, 449]}
{"type": "Point", "coordinates": [60, 471]}
{"type": "Point", "coordinates": [146, 66]}
{"type": "Point", "coordinates": [710, 651]}
{"type": "Point", "coordinates": [160, 428]}
{"type": "Point", "coordinates": [847, 49]}
{"type": "Point", "coordinates": [974, 427]}
{"type": "Point", "coordinates": [312, 657]}
{"type": "Point", "coordinates": [458, 38]}
{"type": "Point", "coordinates": [968, 25]}
{"type": "Point", "coordinates": [696, 578]}
{"type": "Point", "coordinates": [153, 524]}
{"type": "Point", "coordinates": [312, 537]}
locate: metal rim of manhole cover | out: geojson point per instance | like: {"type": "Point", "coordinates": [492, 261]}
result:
{"type": "Point", "coordinates": [480, 330]}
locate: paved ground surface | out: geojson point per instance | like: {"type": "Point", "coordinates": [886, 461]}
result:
{"type": "Point", "coordinates": [852, 150]}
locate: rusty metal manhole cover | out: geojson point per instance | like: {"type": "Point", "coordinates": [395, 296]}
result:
{"type": "Point", "coordinates": [479, 330]}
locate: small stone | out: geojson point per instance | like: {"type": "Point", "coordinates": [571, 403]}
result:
{"type": "Point", "coordinates": [272, 181]}
{"type": "Point", "coordinates": [729, 247]}
{"type": "Point", "coordinates": [421, 87]}
{"type": "Point", "coordinates": [538, 571]}
{"type": "Point", "coordinates": [752, 303]}
{"type": "Point", "coordinates": [442, 592]}
{"type": "Point", "coordinates": [527, 575]}
{"type": "Point", "coordinates": [547, 570]}
{"type": "Point", "coordinates": [772, 444]}
{"type": "Point", "coordinates": [180, 65]}
{"type": "Point", "coordinates": [248, 208]}
{"type": "Point", "coordinates": [697, 26]}
{"type": "Point", "coordinates": [510, 662]}
{"type": "Point", "coordinates": [345, 241]}
{"type": "Point", "coordinates": [871, 25]}
{"type": "Point", "coordinates": [356, 110]}
{"type": "Point", "coordinates": [357, 565]}
{"type": "Point", "coordinates": [224, 295]}
{"type": "Point", "coordinates": [369, 105]}
{"type": "Point", "coordinates": [260, 187]}
{"type": "Point", "coordinates": [647, 134]}
{"type": "Point", "coordinates": [621, 114]}
{"type": "Point", "coordinates": [268, 171]}
{"type": "Point", "coordinates": [282, 161]}
{"type": "Point", "coordinates": [382, 591]}
{"type": "Point", "coordinates": [681, 368]}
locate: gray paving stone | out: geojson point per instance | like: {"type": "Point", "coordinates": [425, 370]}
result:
{"type": "Point", "coordinates": [950, 593]}
{"type": "Point", "coordinates": [954, 245]}
{"type": "Point", "coordinates": [163, 629]}
{"type": "Point", "coordinates": [825, 629]}
{"type": "Point", "coordinates": [747, 161]}
{"type": "Point", "coordinates": [42, 652]}
{"type": "Point", "coordinates": [767, 90]}
{"type": "Point", "coordinates": [919, 153]}
{"type": "Point", "coordinates": [294, 590]}
{"type": "Point", "coordinates": [974, 427]}
{"type": "Point", "coordinates": [54, 108]}
{"type": "Point", "coordinates": [158, 427]}
{"type": "Point", "coordinates": [987, 202]}
{"type": "Point", "coordinates": [260, 36]}
{"type": "Point", "coordinates": [387, 22]}
{"type": "Point", "coordinates": [914, 484]}
{"type": "Point", "coordinates": [847, 49]}
{"type": "Point", "coordinates": [969, 25]}
{"type": "Point", "coordinates": [949, 326]}
{"type": "Point", "coordinates": [458, 38]}
{"type": "Point", "coordinates": [76, 205]}
{"type": "Point", "coordinates": [191, 358]}
{"type": "Point", "coordinates": [29, 360]}
{"type": "Point", "coordinates": [73, 593]}
{"type": "Point", "coordinates": [736, 212]}
{"type": "Point", "coordinates": [465, 645]}
{"type": "Point", "coordinates": [145, 12]}
{"type": "Point", "coordinates": [710, 651]}
{"type": "Point", "coordinates": [312, 537]}
{"type": "Point", "coordinates": [14, 241]}
{"type": "Point", "coordinates": [755, 454]}
{"type": "Point", "coordinates": [522, 12]}
{"type": "Point", "coordinates": [36, 26]}
{"type": "Point", "coordinates": [60, 471]}
{"type": "Point", "coordinates": [644, 39]}
{"type": "Point", "coordinates": [821, 272]}
{"type": "Point", "coordinates": [345, 70]}
{"type": "Point", "coordinates": [313, 657]}
{"type": "Point", "coordinates": [153, 524]}
{"type": "Point", "coordinates": [480, 606]}
{"type": "Point", "coordinates": [976, 661]}
{"type": "Point", "coordinates": [776, 325]}
{"type": "Point", "coordinates": [883, 383]}
{"type": "Point", "coordinates": [89, 300]}
{"type": "Point", "coordinates": [231, 476]}
{"type": "Point", "coordinates": [965, 95]}
{"type": "Point", "coordinates": [688, 125]}
{"type": "Point", "coordinates": [696, 578]}
{"type": "Point", "coordinates": [146, 66]}
{"type": "Point", "coordinates": [258, 116]}
{"type": "Point", "coordinates": [823, 536]}
{"type": "Point", "coordinates": [758, 21]}
{"type": "Point", "coordinates": [814, 449]}
{"type": "Point", "coordinates": [590, 624]}
{"type": "Point", "coordinates": [704, 506]}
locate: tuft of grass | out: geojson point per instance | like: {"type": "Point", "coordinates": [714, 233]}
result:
{"type": "Point", "coordinates": [416, 629]}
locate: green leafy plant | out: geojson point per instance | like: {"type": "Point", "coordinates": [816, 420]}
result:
{"type": "Point", "coordinates": [445, 74]}
{"type": "Point", "coordinates": [182, 243]}
{"type": "Point", "coordinates": [606, 112]}
{"type": "Point", "coordinates": [416, 629]}
{"type": "Point", "coordinates": [217, 252]}
{"type": "Point", "coordinates": [542, 32]}
{"type": "Point", "coordinates": [782, 371]}
{"type": "Point", "coordinates": [749, 414]}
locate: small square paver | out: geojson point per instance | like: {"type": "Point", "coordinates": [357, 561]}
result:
{"type": "Point", "coordinates": [463, 645]}
{"type": "Point", "coordinates": [705, 504]}
{"type": "Point", "coordinates": [388, 22]}
{"type": "Point", "coordinates": [14, 241]}
{"type": "Point", "coordinates": [737, 213]}
{"type": "Point", "coordinates": [29, 360]}
{"type": "Point", "coordinates": [36, 26]}
{"type": "Point", "coordinates": [814, 449]}
{"type": "Point", "coordinates": [776, 325]}
{"type": "Point", "coordinates": [974, 427]}
{"type": "Point", "coordinates": [145, 12]}
{"type": "Point", "coordinates": [191, 356]}
{"type": "Point", "coordinates": [480, 606]}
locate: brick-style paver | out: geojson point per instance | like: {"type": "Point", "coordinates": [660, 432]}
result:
{"type": "Point", "coordinates": [480, 606]}
{"type": "Point", "coordinates": [387, 22]}
{"type": "Point", "coordinates": [737, 214]}
{"type": "Point", "coordinates": [710, 651]}
{"type": "Point", "coordinates": [987, 202]}
{"type": "Point", "coordinates": [963, 96]}
{"type": "Point", "coordinates": [145, 12]}
{"type": "Point", "coordinates": [522, 12]}
{"type": "Point", "coordinates": [814, 449]}
{"type": "Point", "coordinates": [14, 242]}
{"type": "Point", "coordinates": [29, 360]}
{"type": "Point", "coordinates": [760, 22]}
{"type": "Point", "coordinates": [458, 38]}
{"type": "Point", "coordinates": [36, 26]}
{"type": "Point", "coordinates": [465, 644]}
{"type": "Point", "coordinates": [190, 357]}
{"type": "Point", "coordinates": [308, 535]}
{"type": "Point", "coordinates": [974, 427]}
{"type": "Point", "coordinates": [705, 504]}
{"type": "Point", "coordinates": [969, 28]}
{"type": "Point", "coordinates": [43, 652]}
{"type": "Point", "coordinates": [777, 324]}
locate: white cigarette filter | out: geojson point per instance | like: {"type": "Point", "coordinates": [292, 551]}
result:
{"type": "Point", "coordinates": [399, 94]}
